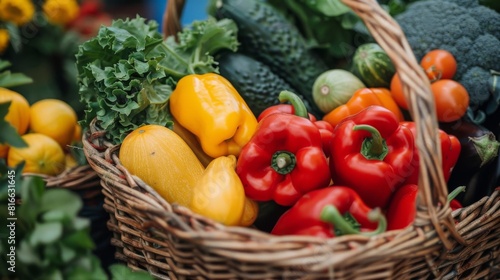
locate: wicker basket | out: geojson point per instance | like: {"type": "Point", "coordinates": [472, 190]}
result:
{"type": "Point", "coordinates": [171, 242]}
{"type": "Point", "coordinates": [82, 180]}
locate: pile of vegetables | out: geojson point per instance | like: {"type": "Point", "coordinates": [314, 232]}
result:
{"type": "Point", "coordinates": [239, 119]}
{"type": "Point", "coordinates": [469, 31]}
{"type": "Point", "coordinates": [127, 72]}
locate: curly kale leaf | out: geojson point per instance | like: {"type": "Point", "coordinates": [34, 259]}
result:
{"type": "Point", "coordinates": [128, 71]}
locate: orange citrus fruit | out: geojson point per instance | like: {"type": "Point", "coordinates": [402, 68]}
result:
{"type": "Point", "coordinates": [70, 161]}
{"type": "Point", "coordinates": [18, 115]}
{"type": "Point", "coordinates": [54, 118]}
{"type": "Point", "coordinates": [77, 135]}
{"type": "Point", "coordinates": [42, 156]}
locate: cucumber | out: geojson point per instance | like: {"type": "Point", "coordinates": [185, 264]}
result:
{"type": "Point", "coordinates": [373, 66]}
{"type": "Point", "coordinates": [253, 80]}
{"type": "Point", "coordinates": [266, 35]}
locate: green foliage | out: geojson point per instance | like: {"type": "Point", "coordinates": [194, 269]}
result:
{"type": "Point", "coordinates": [9, 79]}
{"type": "Point", "coordinates": [51, 240]}
{"type": "Point", "coordinates": [9, 134]}
{"type": "Point", "coordinates": [395, 7]}
{"type": "Point", "coordinates": [4, 180]}
{"type": "Point", "coordinates": [493, 4]}
{"type": "Point", "coordinates": [327, 25]}
{"type": "Point", "coordinates": [46, 53]}
{"type": "Point", "coordinates": [127, 72]}
{"type": "Point", "coordinates": [120, 272]}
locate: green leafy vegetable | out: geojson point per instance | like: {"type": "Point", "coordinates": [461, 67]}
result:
{"type": "Point", "coordinates": [128, 71]}
{"type": "Point", "coordinates": [327, 25]}
{"type": "Point", "coordinates": [395, 7]}
{"type": "Point", "coordinates": [327, 7]}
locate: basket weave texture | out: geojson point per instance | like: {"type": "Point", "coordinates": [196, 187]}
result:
{"type": "Point", "coordinates": [171, 242]}
{"type": "Point", "coordinates": [82, 180]}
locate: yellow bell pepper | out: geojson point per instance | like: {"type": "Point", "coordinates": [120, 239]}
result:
{"type": "Point", "coordinates": [219, 195]}
{"type": "Point", "coordinates": [210, 107]}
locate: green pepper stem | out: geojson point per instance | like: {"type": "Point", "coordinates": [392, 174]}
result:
{"type": "Point", "coordinates": [331, 214]}
{"type": "Point", "coordinates": [298, 105]}
{"type": "Point", "coordinates": [455, 193]}
{"type": "Point", "coordinates": [283, 162]}
{"type": "Point", "coordinates": [375, 146]}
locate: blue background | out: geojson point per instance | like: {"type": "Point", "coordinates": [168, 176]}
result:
{"type": "Point", "coordinates": [193, 10]}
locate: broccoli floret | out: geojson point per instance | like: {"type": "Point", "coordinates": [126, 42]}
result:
{"type": "Point", "coordinates": [465, 3]}
{"type": "Point", "coordinates": [481, 50]}
{"type": "Point", "coordinates": [477, 90]}
{"type": "Point", "coordinates": [465, 28]}
{"type": "Point", "coordinates": [488, 19]}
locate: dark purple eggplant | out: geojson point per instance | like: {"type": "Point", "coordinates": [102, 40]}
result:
{"type": "Point", "coordinates": [479, 144]}
{"type": "Point", "coordinates": [476, 167]}
{"type": "Point", "coordinates": [269, 213]}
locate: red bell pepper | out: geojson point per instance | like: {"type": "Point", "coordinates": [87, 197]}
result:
{"type": "Point", "coordinates": [284, 159]}
{"type": "Point", "coordinates": [370, 152]}
{"type": "Point", "coordinates": [282, 108]}
{"type": "Point", "coordinates": [455, 204]}
{"type": "Point", "coordinates": [450, 151]}
{"type": "Point", "coordinates": [325, 128]}
{"type": "Point", "coordinates": [403, 206]}
{"type": "Point", "coordinates": [329, 212]}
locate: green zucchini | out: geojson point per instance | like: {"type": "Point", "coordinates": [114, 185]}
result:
{"type": "Point", "coordinates": [266, 35]}
{"type": "Point", "coordinates": [253, 80]}
{"type": "Point", "coordinates": [373, 66]}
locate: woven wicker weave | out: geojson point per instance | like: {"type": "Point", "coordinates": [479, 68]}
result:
{"type": "Point", "coordinates": [171, 242]}
{"type": "Point", "coordinates": [81, 179]}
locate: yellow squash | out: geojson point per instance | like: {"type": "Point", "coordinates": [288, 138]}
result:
{"type": "Point", "coordinates": [219, 195]}
{"type": "Point", "coordinates": [163, 160]}
{"type": "Point", "coordinates": [250, 212]}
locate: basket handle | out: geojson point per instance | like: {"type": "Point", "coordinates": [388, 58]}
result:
{"type": "Point", "coordinates": [432, 206]}
{"type": "Point", "coordinates": [171, 24]}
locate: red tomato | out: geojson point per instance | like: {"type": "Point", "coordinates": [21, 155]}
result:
{"type": "Point", "coordinates": [439, 64]}
{"type": "Point", "coordinates": [397, 92]}
{"type": "Point", "coordinates": [451, 98]}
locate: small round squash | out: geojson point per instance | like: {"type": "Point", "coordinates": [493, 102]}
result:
{"type": "Point", "coordinates": [163, 160]}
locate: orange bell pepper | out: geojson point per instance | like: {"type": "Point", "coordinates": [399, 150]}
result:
{"type": "Point", "coordinates": [361, 99]}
